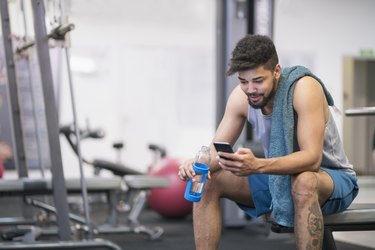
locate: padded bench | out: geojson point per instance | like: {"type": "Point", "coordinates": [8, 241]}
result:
{"type": "Point", "coordinates": [31, 186]}
{"type": "Point", "coordinates": [358, 217]}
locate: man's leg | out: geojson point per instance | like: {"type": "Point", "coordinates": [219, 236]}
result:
{"type": "Point", "coordinates": [310, 190]}
{"type": "Point", "coordinates": [207, 214]}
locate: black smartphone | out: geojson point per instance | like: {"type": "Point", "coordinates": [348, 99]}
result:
{"type": "Point", "coordinates": [223, 147]}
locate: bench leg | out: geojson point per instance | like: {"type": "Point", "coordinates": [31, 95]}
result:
{"type": "Point", "coordinates": [113, 200]}
{"type": "Point", "coordinates": [138, 204]}
{"type": "Point", "coordinates": [328, 240]}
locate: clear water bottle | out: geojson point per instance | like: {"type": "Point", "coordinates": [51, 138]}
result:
{"type": "Point", "coordinates": [194, 187]}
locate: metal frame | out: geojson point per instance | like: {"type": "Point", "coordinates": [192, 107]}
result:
{"type": "Point", "coordinates": [59, 188]}
{"type": "Point", "coordinates": [58, 180]}
{"type": "Point", "coordinates": [19, 152]}
{"type": "Point", "coordinates": [231, 25]}
{"type": "Point", "coordinates": [363, 111]}
{"type": "Point", "coordinates": [15, 114]}
{"type": "Point", "coordinates": [76, 245]}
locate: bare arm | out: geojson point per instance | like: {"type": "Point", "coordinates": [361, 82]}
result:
{"type": "Point", "coordinates": [312, 113]}
{"type": "Point", "coordinates": [229, 129]}
{"type": "Point", "coordinates": [232, 123]}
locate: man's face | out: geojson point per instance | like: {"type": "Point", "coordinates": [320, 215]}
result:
{"type": "Point", "coordinates": [259, 85]}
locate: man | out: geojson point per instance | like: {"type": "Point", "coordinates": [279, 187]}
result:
{"type": "Point", "coordinates": [305, 161]}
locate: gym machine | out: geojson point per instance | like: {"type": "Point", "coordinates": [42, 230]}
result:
{"type": "Point", "coordinates": [58, 186]}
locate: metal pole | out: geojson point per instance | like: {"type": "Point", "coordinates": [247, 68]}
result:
{"type": "Point", "coordinates": [221, 64]}
{"type": "Point", "coordinates": [77, 133]}
{"type": "Point", "coordinates": [32, 94]}
{"type": "Point", "coordinates": [58, 180]}
{"type": "Point", "coordinates": [19, 154]}
{"type": "Point", "coordinates": [78, 145]}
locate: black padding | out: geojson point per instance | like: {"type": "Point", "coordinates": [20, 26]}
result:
{"type": "Point", "coordinates": [154, 147]}
{"type": "Point", "coordinates": [358, 217]}
{"type": "Point", "coordinates": [34, 185]}
{"type": "Point", "coordinates": [24, 186]}
{"type": "Point", "coordinates": [117, 169]}
{"type": "Point", "coordinates": [13, 233]}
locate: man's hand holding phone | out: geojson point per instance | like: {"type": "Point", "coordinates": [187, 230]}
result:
{"type": "Point", "coordinates": [223, 147]}
{"type": "Point", "coordinates": [241, 163]}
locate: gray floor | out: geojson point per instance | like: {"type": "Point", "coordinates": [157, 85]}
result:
{"type": "Point", "coordinates": [179, 233]}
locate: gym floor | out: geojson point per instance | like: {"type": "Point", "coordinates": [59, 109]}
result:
{"type": "Point", "coordinates": [178, 233]}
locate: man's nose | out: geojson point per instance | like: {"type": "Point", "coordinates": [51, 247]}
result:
{"type": "Point", "coordinates": [251, 89]}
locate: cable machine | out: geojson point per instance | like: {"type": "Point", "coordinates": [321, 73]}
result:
{"type": "Point", "coordinates": [58, 181]}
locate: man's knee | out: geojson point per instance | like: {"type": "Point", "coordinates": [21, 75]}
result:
{"type": "Point", "coordinates": [213, 185]}
{"type": "Point", "coordinates": [304, 187]}
{"type": "Point", "coordinates": [219, 183]}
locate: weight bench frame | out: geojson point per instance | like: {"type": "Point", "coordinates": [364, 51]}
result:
{"type": "Point", "coordinates": [135, 186]}
{"type": "Point", "coordinates": [358, 217]}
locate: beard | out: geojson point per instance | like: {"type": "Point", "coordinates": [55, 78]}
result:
{"type": "Point", "coordinates": [266, 98]}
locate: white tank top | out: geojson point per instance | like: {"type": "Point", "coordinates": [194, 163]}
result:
{"type": "Point", "coordinates": [333, 151]}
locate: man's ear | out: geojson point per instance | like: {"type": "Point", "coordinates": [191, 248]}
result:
{"type": "Point", "coordinates": [277, 71]}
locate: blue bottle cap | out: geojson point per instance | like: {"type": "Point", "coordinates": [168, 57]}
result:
{"type": "Point", "coordinates": [200, 168]}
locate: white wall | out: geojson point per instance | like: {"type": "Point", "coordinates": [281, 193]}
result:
{"type": "Point", "coordinates": [319, 33]}
{"type": "Point", "coordinates": [154, 77]}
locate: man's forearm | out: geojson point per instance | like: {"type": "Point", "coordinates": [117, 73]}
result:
{"type": "Point", "coordinates": [290, 164]}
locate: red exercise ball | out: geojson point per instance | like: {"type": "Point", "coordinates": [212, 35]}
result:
{"type": "Point", "coordinates": [169, 202]}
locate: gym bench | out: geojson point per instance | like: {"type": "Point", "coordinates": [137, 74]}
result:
{"type": "Point", "coordinates": [358, 217]}
{"type": "Point", "coordinates": [134, 186]}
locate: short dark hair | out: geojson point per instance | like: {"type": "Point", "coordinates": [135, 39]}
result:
{"type": "Point", "coordinates": [251, 52]}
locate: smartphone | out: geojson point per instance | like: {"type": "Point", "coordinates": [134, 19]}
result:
{"type": "Point", "coordinates": [223, 147]}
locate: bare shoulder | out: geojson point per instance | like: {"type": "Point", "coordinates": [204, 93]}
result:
{"type": "Point", "coordinates": [237, 102]}
{"type": "Point", "coordinates": [308, 82]}
{"type": "Point", "coordinates": [308, 89]}
{"type": "Point", "coordinates": [309, 97]}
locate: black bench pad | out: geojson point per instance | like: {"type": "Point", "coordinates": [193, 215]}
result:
{"type": "Point", "coordinates": [358, 217]}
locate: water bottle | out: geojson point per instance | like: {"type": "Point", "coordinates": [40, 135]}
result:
{"type": "Point", "coordinates": [194, 187]}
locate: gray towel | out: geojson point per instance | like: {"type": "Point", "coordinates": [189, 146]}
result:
{"type": "Point", "coordinates": [284, 141]}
